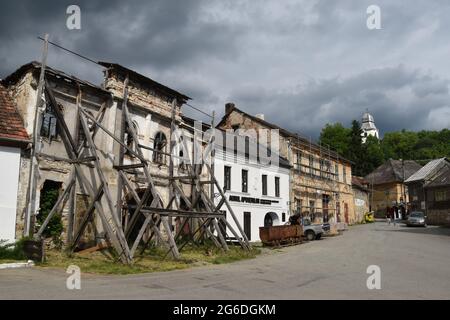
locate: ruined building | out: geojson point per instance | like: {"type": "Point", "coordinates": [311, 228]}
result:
{"type": "Point", "coordinates": [150, 106]}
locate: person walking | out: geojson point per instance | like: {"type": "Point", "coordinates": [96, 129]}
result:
{"type": "Point", "coordinates": [393, 214]}
{"type": "Point", "coordinates": [388, 215]}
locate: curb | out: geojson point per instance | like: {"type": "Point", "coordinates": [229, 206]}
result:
{"type": "Point", "coordinates": [16, 265]}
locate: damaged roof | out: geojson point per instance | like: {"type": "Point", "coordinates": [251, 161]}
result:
{"type": "Point", "coordinates": [443, 179]}
{"type": "Point", "coordinates": [12, 131]}
{"type": "Point", "coordinates": [124, 70]}
{"type": "Point", "coordinates": [36, 67]}
{"type": "Point", "coordinates": [392, 171]}
{"type": "Point", "coordinates": [429, 170]}
{"type": "Point", "coordinates": [360, 183]}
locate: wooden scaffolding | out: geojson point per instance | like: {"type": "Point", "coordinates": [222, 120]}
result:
{"type": "Point", "coordinates": [129, 226]}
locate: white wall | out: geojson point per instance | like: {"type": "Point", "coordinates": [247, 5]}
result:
{"type": "Point", "coordinates": [9, 180]}
{"type": "Point", "coordinates": [257, 211]}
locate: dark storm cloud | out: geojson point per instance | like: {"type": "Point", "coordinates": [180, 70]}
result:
{"type": "Point", "coordinates": [397, 97]}
{"type": "Point", "coordinates": [302, 63]}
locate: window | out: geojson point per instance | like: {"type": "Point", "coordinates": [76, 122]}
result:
{"type": "Point", "coordinates": [264, 185]}
{"type": "Point", "coordinates": [312, 206]}
{"type": "Point", "coordinates": [222, 224]}
{"type": "Point", "coordinates": [328, 169]}
{"type": "Point", "coordinates": [129, 136]}
{"type": "Point", "coordinates": [227, 178]}
{"type": "Point", "coordinates": [247, 225]}
{"type": "Point", "coordinates": [336, 172]}
{"type": "Point", "coordinates": [81, 135]}
{"type": "Point", "coordinates": [247, 147]}
{"type": "Point", "coordinates": [440, 196]}
{"type": "Point", "coordinates": [311, 164]}
{"type": "Point", "coordinates": [277, 186]}
{"type": "Point", "coordinates": [325, 202]}
{"type": "Point", "coordinates": [298, 161]}
{"type": "Point", "coordinates": [159, 145]}
{"type": "Point", "coordinates": [321, 165]}
{"type": "Point", "coordinates": [244, 180]}
{"type": "Point", "coordinates": [283, 217]}
{"type": "Point", "coordinates": [49, 126]}
{"type": "Point", "coordinates": [344, 174]}
{"type": "Point", "coordinates": [298, 205]}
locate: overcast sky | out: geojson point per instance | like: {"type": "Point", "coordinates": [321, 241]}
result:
{"type": "Point", "coordinates": [301, 63]}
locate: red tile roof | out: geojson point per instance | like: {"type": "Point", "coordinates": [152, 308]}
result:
{"type": "Point", "coordinates": [11, 123]}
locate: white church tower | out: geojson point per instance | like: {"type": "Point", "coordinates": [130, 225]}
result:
{"type": "Point", "coordinates": [368, 127]}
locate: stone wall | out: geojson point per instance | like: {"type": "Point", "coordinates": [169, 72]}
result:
{"type": "Point", "coordinates": [140, 94]}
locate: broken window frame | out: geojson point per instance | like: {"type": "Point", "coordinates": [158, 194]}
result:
{"type": "Point", "coordinates": [159, 147]}
{"type": "Point", "coordinates": [50, 128]}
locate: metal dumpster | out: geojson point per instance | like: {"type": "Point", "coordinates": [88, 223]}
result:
{"type": "Point", "coordinates": [281, 235]}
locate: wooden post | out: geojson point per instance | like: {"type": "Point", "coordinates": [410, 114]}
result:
{"type": "Point", "coordinates": [34, 165]}
{"type": "Point", "coordinates": [121, 148]}
{"type": "Point", "coordinates": [213, 155]}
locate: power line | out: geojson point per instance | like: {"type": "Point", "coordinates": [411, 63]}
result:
{"type": "Point", "coordinates": [199, 110]}
{"type": "Point", "coordinates": [70, 51]}
{"type": "Point", "coordinates": [97, 63]}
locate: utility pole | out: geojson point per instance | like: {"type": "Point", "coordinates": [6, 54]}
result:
{"type": "Point", "coordinates": [34, 167]}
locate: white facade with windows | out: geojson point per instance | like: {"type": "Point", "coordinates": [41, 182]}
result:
{"type": "Point", "coordinates": [255, 203]}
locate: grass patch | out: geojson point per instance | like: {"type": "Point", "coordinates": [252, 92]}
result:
{"type": "Point", "coordinates": [152, 261]}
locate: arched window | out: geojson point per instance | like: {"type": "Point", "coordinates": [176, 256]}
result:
{"type": "Point", "coordinates": [81, 135]}
{"type": "Point", "coordinates": [159, 145]}
{"type": "Point", "coordinates": [49, 126]}
{"type": "Point", "coordinates": [129, 137]}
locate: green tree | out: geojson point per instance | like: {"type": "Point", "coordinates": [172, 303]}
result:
{"type": "Point", "coordinates": [336, 136]}
{"type": "Point", "coordinates": [373, 155]}
{"type": "Point", "coordinates": [399, 144]}
{"type": "Point", "coordinates": [408, 145]}
{"type": "Point", "coordinates": [355, 149]}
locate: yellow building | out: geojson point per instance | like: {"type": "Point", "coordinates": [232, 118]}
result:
{"type": "Point", "coordinates": [386, 184]}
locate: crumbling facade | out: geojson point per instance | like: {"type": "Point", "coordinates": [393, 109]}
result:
{"type": "Point", "coordinates": [150, 105]}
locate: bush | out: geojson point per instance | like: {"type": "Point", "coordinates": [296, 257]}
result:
{"type": "Point", "coordinates": [49, 197]}
{"type": "Point", "coordinates": [12, 251]}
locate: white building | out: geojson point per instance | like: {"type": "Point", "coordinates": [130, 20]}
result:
{"type": "Point", "coordinates": [368, 127]}
{"type": "Point", "coordinates": [258, 193]}
{"type": "Point", "coordinates": [13, 138]}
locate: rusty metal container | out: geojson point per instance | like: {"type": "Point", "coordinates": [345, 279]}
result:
{"type": "Point", "coordinates": [280, 234]}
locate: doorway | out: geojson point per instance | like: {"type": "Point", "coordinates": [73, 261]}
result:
{"type": "Point", "coordinates": [271, 219]}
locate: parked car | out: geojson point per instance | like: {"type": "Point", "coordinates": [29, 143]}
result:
{"type": "Point", "coordinates": [416, 218]}
{"type": "Point", "coordinates": [312, 231]}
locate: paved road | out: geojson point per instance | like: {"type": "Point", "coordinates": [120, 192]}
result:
{"type": "Point", "coordinates": [415, 264]}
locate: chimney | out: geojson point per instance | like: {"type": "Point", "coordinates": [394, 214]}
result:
{"type": "Point", "coordinates": [260, 116]}
{"type": "Point", "coordinates": [229, 107]}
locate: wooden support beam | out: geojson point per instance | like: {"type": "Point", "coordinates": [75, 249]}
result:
{"type": "Point", "coordinates": [129, 166]}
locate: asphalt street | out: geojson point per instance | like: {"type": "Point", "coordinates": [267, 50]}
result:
{"type": "Point", "coordinates": [414, 264]}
